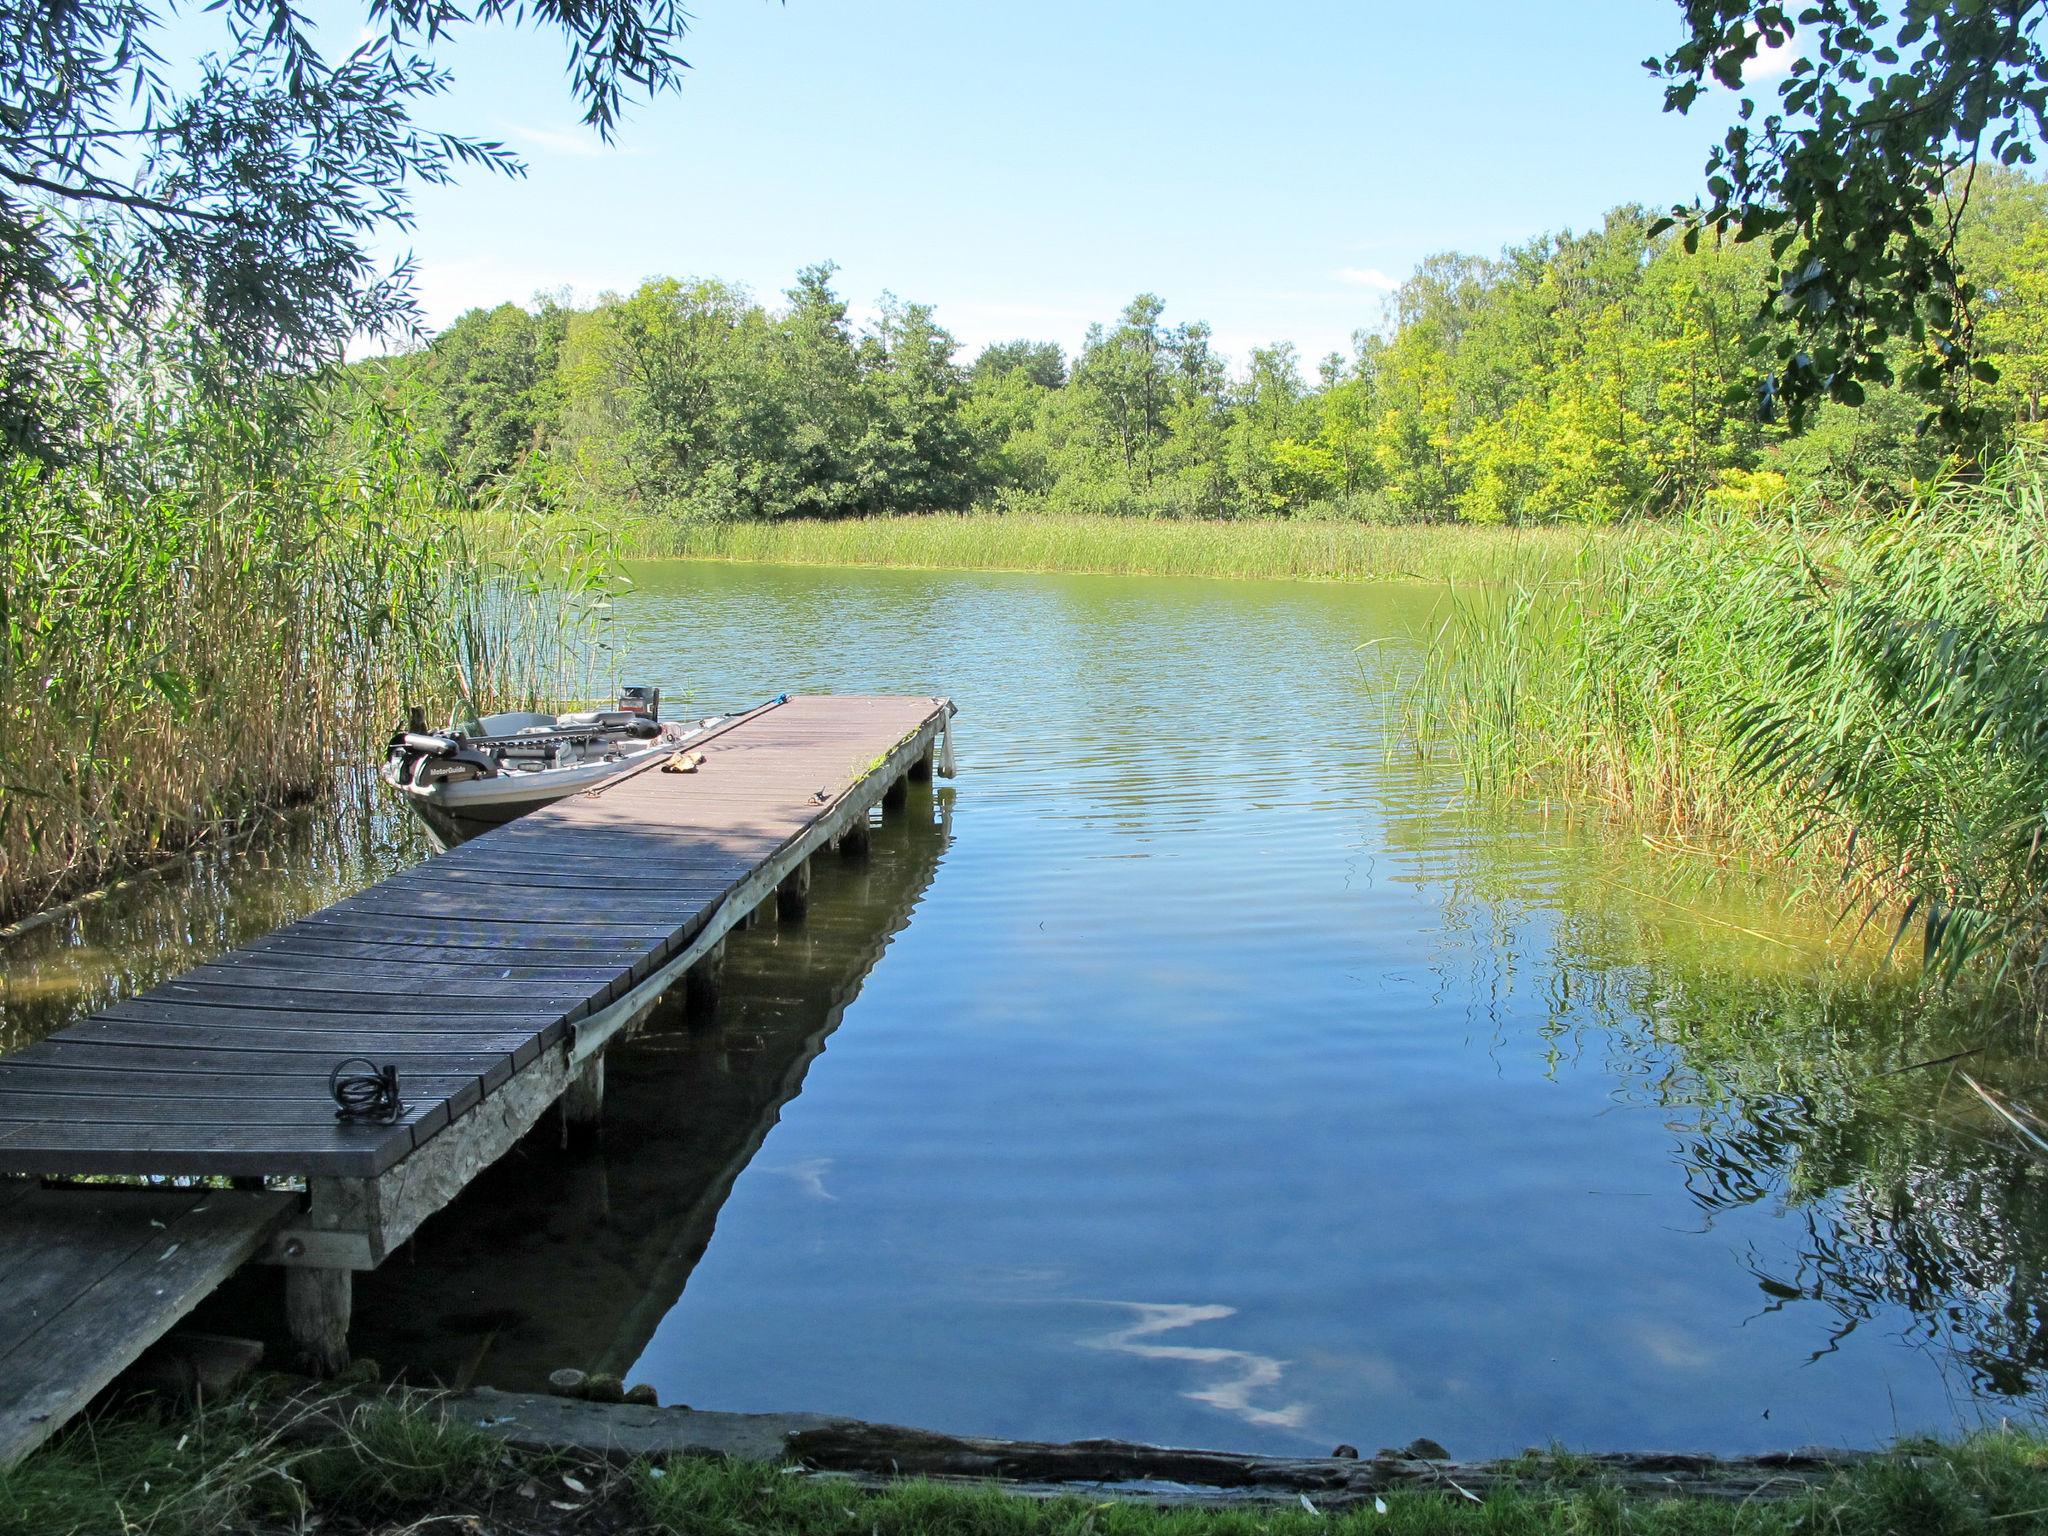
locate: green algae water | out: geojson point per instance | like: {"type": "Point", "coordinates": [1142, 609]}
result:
{"type": "Point", "coordinates": [1199, 1068]}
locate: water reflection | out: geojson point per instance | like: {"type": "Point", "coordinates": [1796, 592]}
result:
{"type": "Point", "coordinates": [550, 1261]}
{"type": "Point", "coordinates": [1822, 1090]}
{"type": "Point", "coordinates": [157, 926]}
{"type": "Point", "coordinates": [1399, 1119]}
{"type": "Point", "coordinates": [1232, 1378]}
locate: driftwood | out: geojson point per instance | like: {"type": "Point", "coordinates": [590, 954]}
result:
{"type": "Point", "coordinates": [877, 1452]}
{"type": "Point", "coordinates": [875, 1455]}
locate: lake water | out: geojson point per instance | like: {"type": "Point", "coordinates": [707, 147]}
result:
{"type": "Point", "coordinates": [1199, 1068]}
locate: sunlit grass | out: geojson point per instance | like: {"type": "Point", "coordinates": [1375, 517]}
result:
{"type": "Point", "coordinates": [1864, 694]}
{"type": "Point", "coordinates": [1306, 551]}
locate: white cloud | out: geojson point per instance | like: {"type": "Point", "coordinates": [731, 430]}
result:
{"type": "Point", "coordinates": [1367, 277]}
{"type": "Point", "coordinates": [1237, 1377]}
{"type": "Point", "coordinates": [580, 142]}
{"type": "Point", "coordinates": [1771, 62]}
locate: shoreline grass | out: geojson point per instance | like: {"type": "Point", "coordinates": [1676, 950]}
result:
{"type": "Point", "coordinates": [1859, 694]}
{"type": "Point", "coordinates": [1116, 546]}
{"type": "Point", "coordinates": [274, 1460]}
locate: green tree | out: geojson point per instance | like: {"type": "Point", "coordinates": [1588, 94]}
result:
{"type": "Point", "coordinates": [492, 371]}
{"type": "Point", "coordinates": [919, 451]}
{"type": "Point", "coordinates": [1122, 376]}
{"type": "Point", "coordinates": [1859, 177]}
{"type": "Point", "coordinates": [241, 193]}
{"type": "Point", "coordinates": [1040, 362]}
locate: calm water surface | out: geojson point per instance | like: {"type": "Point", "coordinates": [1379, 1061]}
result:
{"type": "Point", "coordinates": [1199, 1069]}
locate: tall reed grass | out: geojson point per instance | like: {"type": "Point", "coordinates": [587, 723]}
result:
{"type": "Point", "coordinates": [216, 604]}
{"type": "Point", "coordinates": [1867, 694]}
{"type": "Point", "coordinates": [1120, 546]}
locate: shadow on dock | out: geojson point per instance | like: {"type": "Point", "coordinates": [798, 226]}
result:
{"type": "Point", "coordinates": [554, 1258]}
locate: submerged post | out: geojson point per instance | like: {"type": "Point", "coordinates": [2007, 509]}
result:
{"type": "Point", "coordinates": [897, 795]}
{"type": "Point", "coordinates": [793, 896]}
{"type": "Point", "coordinates": [853, 841]}
{"type": "Point", "coordinates": [921, 768]}
{"type": "Point", "coordinates": [317, 1303]}
{"type": "Point", "coordinates": [583, 1105]}
{"type": "Point", "coordinates": [701, 983]}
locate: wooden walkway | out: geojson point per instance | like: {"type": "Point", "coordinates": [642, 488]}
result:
{"type": "Point", "coordinates": [83, 1267]}
{"type": "Point", "coordinates": [492, 976]}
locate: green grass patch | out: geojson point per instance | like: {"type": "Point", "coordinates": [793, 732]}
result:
{"type": "Point", "coordinates": [265, 1464]}
{"type": "Point", "coordinates": [1994, 1483]}
{"type": "Point", "coordinates": [1119, 546]}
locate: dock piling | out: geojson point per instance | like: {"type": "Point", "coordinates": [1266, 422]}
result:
{"type": "Point", "coordinates": [701, 984]}
{"type": "Point", "coordinates": [583, 1105]}
{"type": "Point", "coordinates": [793, 895]}
{"type": "Point", "coordinates": [317, 1303]}
{"type": "Point", "coordinates": [853, 842]}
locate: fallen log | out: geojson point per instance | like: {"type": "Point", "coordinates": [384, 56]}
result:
{"type": "Point", "coordinates": [878, 1451]}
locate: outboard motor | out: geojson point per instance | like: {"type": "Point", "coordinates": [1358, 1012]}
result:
{"type": "Point", "coordinates": [418, 756]}
{"type": "Point", "coordinates": [639, 699]}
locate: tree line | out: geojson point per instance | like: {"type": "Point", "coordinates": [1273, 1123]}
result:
{"type": "Point", "coordinates": [1574, 377]}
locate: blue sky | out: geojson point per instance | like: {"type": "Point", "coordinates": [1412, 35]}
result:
{"type": "Point", "coordinates": [1028, 167]}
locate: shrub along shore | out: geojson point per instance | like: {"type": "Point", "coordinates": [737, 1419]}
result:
{"type": "Point", "coordinates": [224, 602]}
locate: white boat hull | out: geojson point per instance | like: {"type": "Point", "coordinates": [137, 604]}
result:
{"type": "Point", "coordinates": [457, 811]}
{"type": "Point", "coordinates": [467, 781]}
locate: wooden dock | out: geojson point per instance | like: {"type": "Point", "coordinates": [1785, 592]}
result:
{"type": "Point", "coordinates": [689, 1101]}
{"type": "Point", "coordinates": [492, 976]}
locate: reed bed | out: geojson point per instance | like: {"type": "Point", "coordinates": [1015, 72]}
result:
{"type": "Point", "coordinates": [1866, 695]}
{"type": "Point", "coordinates": [213, 608]}
{"type": "Point", "coordinates": [1117, 546]}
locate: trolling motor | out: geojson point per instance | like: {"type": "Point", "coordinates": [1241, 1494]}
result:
{"type": "Point", "coordinates": [412, 748]}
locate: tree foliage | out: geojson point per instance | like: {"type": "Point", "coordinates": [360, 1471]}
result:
{"type": "Point", "coordinates": [1858, 178]}
{"type": "Point", "coordinates": [1574, 377]}
{"type": "Point", "coordinates": [240, 193]}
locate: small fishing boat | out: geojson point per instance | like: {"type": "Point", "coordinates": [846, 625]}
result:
{"type": "Point", "coordinates": [480, 774]}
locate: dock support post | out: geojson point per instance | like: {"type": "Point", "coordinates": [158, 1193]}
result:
{"type": "Point", "coordinates": [897, 795]}
{"type": "Point", "coordinates": [853, 841]}
{"type": "Point", "coordinates": [316, 1309]}
{"type": "Point", "coordinates": [701, 983]}
{"type": "Point", "coordinates": [583, 1105]}
{"type": "Point", "coordinates": [921, 768]}
{"type": "Point", "coordinates": [793, 896]}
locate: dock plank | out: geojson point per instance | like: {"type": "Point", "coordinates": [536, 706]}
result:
{"type": "Point", "coordinates": [111, 1271]}
{"type": "Point", "coordinates": [461, 971]}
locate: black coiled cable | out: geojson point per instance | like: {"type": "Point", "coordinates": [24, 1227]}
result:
{"type": "Point", "coordinates": [368, 1095]}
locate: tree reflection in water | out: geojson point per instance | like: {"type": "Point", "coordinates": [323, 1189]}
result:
{"type": "Point", "coordinates": [1799, 1072]}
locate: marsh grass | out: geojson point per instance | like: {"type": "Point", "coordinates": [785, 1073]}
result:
{"type": "Point", "coordinates": [268, 1460]}
{"type": "Point", "coordinates": [1122, 546]}
{"type": "Point", "coordinates": [203, 619]}
{"type": "Point", "coordinates": [1863, 697]}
